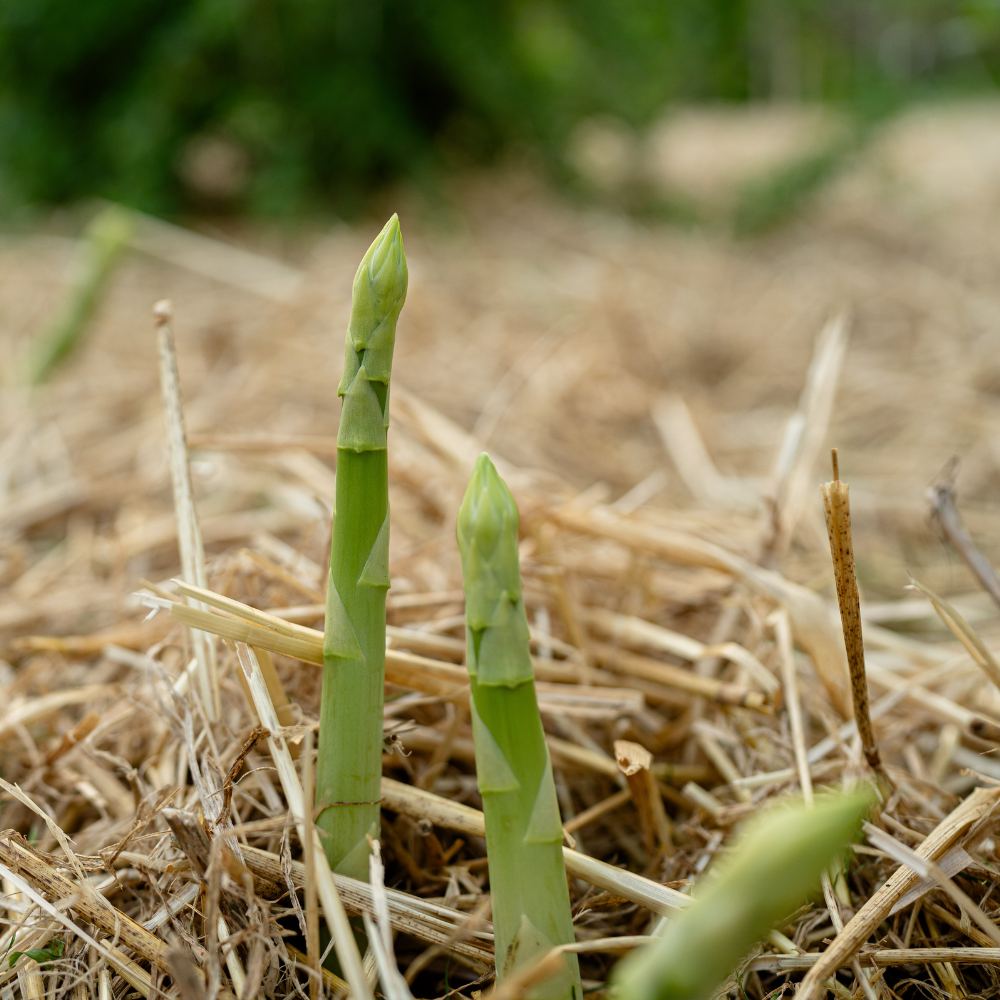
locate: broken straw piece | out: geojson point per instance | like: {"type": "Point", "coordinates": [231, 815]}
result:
{"type": "Point", "coordinates": [189, 541]}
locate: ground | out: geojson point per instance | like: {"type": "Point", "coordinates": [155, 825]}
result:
{"type": "Point", "coordinates": [603, 359]}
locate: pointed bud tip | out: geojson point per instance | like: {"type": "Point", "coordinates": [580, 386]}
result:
{"type": "Point", "coordinates": [377, 297]}
{"type": "Point", "coordinates": [483, 462]}
{"type": "Point", "coordinates": [391, 233]}
{"type": "Point", "coordinates": [486, 531]}
{"type": "Point", "coordinates": [389, 239]}
{"type": "Point", "coordinates": [487, 505]}
{"type": "Point", "coordinates": [486, 483]}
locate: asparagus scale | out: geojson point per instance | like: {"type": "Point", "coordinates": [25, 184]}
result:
{"type": "Point", "coordinates": [531, 910]}
{"type": "Point", "coordinates": [349, 762]}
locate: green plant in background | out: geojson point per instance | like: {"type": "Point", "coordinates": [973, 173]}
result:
{"type": "Point", "coordinates": [530, 898]}
{"type": "Point", "coordinates": [103, 243]}
{"type": "Point", "coordinates": [771, 201]}
{"type": "Point", "coordinates": [771, 872]}
{"type": "Point", "coordinates": [349, 764]}
{"type": "Point", "coordinates": [273, 106]}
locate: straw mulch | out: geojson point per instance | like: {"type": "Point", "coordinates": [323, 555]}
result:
{"type": "Point", "coordinates": [635, 385]}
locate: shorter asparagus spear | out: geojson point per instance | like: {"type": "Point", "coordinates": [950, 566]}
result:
{"type": "Point", "coordinates": [531, 911]}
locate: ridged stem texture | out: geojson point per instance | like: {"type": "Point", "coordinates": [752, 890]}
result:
{"type": "Point", "coordinates": [531, 911]}
{"type": "Point", "coordinates": [349, 763]}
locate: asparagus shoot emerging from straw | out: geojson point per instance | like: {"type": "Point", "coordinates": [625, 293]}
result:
{"type": "Point", "coordinates": [774, 868]}
{"type": "Point", "coordinates": [524, 833]}
{"type": "Point", "coordinates": [103, 244]}
{"type": "Point", "coordinates": [349, 764]}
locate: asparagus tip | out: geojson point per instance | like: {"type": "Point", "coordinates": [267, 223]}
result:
{"type": "Point", "coordinates": [377, 298]}
{"type": "Point", "coordinates": [486, 529]}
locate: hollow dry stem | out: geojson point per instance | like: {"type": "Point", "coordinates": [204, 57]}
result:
{"type": "Point", "coordinates": [837, 504]}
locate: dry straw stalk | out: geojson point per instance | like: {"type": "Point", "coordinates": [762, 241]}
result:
{"type": "Point", "coordinates": [189, 539]}
{"type": "Point", "coordinates": [86, 511]}
{"type": "Point", "coordinates": [857, 931]}
{"type": "Point", "coordinates": [837, 504]}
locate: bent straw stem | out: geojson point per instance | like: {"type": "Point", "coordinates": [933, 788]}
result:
{"type": "Point", "coordinates": [941, 497]}
{"type": "Point", "coordinates": [333, 909]}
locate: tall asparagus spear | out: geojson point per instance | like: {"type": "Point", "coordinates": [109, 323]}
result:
{"type": "Point", "coordinates": [349, 763]}
{"type": "Point", "coordinates": [524, 834]}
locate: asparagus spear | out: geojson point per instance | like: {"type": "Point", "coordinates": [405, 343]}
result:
{"type": "Point", "coordinates": [105, 241]}
{"type": "Point", "coordinates": [774, 868]}
{"type": "Point", "coordinates": [524, 834]}
{"type": "Point", "coordinates": [349, 762]}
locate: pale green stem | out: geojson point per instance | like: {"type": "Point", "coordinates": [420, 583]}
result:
{"type": "Point", "coordinates": [529, 894]}
{"type": "Point", "coordinates": [349, 762]}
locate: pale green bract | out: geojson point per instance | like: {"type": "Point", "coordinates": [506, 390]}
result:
{"type": "Point", "coordinates": [772, 870]}
{"type": "Point", "coordinates": [362, 425]}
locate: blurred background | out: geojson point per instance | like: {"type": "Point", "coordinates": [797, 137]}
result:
{"type": "Point", "coordinates": [290, 107]}
{"type": "Point", "coordinates": [628, 226]}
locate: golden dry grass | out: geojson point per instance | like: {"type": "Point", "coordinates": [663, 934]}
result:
{"type": "Point", "coordinates": [592, 354]}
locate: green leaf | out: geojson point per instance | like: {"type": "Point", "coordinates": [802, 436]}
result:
{"type": "Point", "coordinates": [49, 953]}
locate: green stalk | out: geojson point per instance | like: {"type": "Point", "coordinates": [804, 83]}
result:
{"type": "Point", "coordinates": [349, 763]}
{"type": "Point", "coordinates": [776, 865]}
{"type": "Point", "coordinates": [531, 911]}
{"type": "Point", "coordinates": [104, 242]}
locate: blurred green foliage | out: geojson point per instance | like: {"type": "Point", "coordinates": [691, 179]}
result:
{"type": "Point", "coordinates": [105, 240]}
{"type": "Point", "coordinates": [278, 106]}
